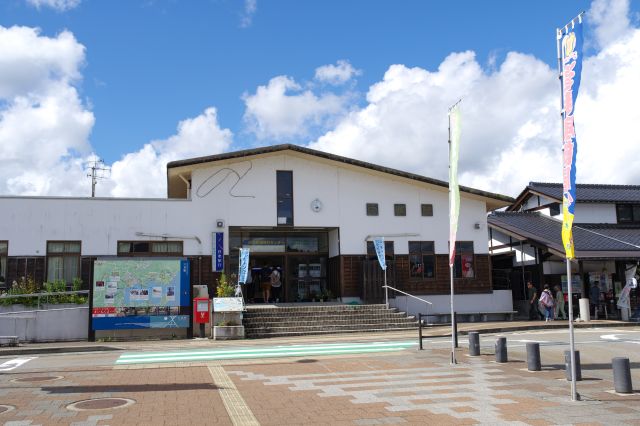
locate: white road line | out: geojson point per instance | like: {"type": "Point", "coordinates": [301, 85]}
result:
{"type": "Point", "coordinates": [14, 363]}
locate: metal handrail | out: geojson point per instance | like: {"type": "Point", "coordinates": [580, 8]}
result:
{"type": "Point", "coordinates": [407, 294]}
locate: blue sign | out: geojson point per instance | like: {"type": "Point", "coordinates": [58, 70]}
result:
{"type": "Point", "coordinates": [218, 252]}
{"type": "Point", "coordinates": [141, 321]}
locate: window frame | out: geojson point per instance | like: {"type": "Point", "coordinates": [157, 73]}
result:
{"type": "Point", "coordinates": [399, 210]}
{"type": "Point", "coordinates": [424, 251]}
{"type": "Point", "coordinates": [372, 205]}
{"type": "Point", "coordinates": [632, 208]}
{"type": "Point", "coordinates": [150, 252]}
{"type": "Point", "coordinates": [428, 208]}
{"type": "Point", "coordinates": [457, 266]}
{"type": "Point", "coordinates": [63, 255]}
{"type": "Point", "coordinates": [282, 196]}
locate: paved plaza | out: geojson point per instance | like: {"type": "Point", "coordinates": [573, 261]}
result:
{"type": "Point", "coordinates": [404, 387]}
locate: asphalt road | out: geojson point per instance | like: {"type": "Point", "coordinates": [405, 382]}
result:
{"type": "Point", "coordinates": [596, 346]}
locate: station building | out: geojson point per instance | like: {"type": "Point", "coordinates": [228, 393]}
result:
{"type": "Point", "coordinates": [311, 214]}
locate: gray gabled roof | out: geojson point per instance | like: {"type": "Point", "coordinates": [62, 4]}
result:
{"type": "Point", "coordinates": [585, 193]}
{"type": "Point", "coordinates": [502, 199]}
{"type": "Point", "coordinates": [591, 240]}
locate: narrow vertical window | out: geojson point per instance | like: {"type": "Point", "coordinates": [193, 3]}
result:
{"type": "Point", "coordinates": [422, 259]}
{"type": "Point", "coordinates": [284, 189]}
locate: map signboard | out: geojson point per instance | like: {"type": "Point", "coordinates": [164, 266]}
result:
{"type": "Point", "coordinates": [140, 293]}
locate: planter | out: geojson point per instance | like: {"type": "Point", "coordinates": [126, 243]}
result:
{"type": "Point", "coordinates": [228, 332]}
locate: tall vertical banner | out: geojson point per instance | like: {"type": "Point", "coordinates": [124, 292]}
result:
{"type": "Point", "coordinates": [244, 266]}
{"type": "Point", "coordinates": [570, 38]}
{"type": "Point", "coordinates": [454, 190]}
{"type": "Point", "coordinates": [218, 252]}
{"type": "Point", "coordinates": [378, 243]}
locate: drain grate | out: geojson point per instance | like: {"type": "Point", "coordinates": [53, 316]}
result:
{"type": "Point", "coordinates": [6, 408]}
{"type": "Point", "coordinates": [100, 404]}
{"type": "Point", "coordinates": [36, 379]}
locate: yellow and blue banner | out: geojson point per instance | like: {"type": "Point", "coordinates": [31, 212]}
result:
{"type": "Point", "coordinates": [244, 266]}
{"type": "Point", "coordinates": [570, 47]}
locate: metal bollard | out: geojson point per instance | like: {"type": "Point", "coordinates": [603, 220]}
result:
{"type": "Point", "coordinates": [567, 366]}
{"type": "Point", "coordinates": [622, 375]}
{"type": "Point", "coordinates": [474, 343]}
{"type": "Point", "coordinates": [501, 349]}
{"type": "Point", "coordinates": [533, 357]}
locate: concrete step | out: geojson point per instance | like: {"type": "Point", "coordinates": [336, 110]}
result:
{"type": "Point", "coordinates": [306, 331]}
{"type": "Point", "coordinates": [325, 318]}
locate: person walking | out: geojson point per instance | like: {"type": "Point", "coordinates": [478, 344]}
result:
{"type": "Point", "coordinates": [560, 303]}
{"type": "Point", "coordinates": [276, 284]}
{"type": "Point", "coordinates": [546, 302]}
{"type": "Point", "coordinates": [532, 298]}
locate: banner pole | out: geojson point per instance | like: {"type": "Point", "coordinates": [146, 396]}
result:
{"type": "Point", "coordinates": [574, 393]}
{"type": "Point", "coordinates": [386, 290]}
{"type": "Point", "coordinates": [453, 344]}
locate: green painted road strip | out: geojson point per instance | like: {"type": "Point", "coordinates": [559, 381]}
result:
{"type": "Point", "coordinates": [264, 352]}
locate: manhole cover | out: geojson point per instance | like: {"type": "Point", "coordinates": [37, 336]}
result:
{"type": "Point", "coordinates": [36, 379]}
{"type": "Point", "coordinates": [5, 408]}
{"type": "Point", "coordinates": [100, 404]}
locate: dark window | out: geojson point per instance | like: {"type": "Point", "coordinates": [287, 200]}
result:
{"type": "Point", "coordinates": [4, 250]}
{"type": "Point", "coordinates": [554, 209]}
{"type": "Point", "coordinates": [426, 209]}
{"type": "Point", "coordinates": [628, 213]}
{"type": "Point", "coordinates": [422, 259]}
{"type": "Point", "coordinates": [372, 209]}
{"type": "Point", "coordinates": [400, 209]}
{"type": "Point", "coordinates": [388, 250]}
{"type": "Point", "coordinates": [149, 248]}
{"type": "Point", "coordinates": [464, 265]}
{"type": "Point", "coordinates": [284, 184]}
{"type": "Point", "coordinates": [63, 261]}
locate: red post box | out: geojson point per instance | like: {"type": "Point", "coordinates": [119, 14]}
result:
{"type": "Point", "coordinates": [201, 309]}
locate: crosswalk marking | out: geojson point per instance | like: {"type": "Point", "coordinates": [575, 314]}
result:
{"type": "Point", "coordinates": [264, 352]}
{"type": "Point", "coordinates": [14, 363]}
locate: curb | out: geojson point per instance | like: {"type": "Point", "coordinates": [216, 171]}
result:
{"type": "Point", "coordinates": [56, 350]}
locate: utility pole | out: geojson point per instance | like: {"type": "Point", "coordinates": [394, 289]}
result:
{"type": "Point", "coordinates": [97, 170]}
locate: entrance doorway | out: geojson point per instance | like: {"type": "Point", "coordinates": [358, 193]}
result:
{"type": "Point", "coordinates": [262, 267]}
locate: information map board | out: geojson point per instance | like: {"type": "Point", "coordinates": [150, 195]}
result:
{"type": "Point", "coordinates": [140, 293]}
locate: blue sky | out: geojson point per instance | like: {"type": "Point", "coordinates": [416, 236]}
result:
{"type": "Point", "coordinates": [150, 64]}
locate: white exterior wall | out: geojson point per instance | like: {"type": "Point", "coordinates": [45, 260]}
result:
{"type": "Point", "coordinates": [28, 223]}
{"type": "Point", "coordinates": [595, 213]}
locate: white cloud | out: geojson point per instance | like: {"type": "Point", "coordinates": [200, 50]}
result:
{"type": "Point", "coordinates": [337, 74]}
{"type": "Point", "coordinates": [250, 8]}
{"type": "Point", "coordinates": [510, 118]}
{"type": "Point", "coordinates": [282, 109]}
{"type": "Point", "coordinates": [44, 126]}
{"type": "Point", "coordinates": [144, 174]}
{"type": "Point", "coordinates": [59, 5]}
{"type": "Point", "coordinates": [610, 19]}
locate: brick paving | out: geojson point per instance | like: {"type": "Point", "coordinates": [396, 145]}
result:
{"type": "Point", "coordinates": [400, 388]}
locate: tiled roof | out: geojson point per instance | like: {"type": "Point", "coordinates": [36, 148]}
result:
{"type": "Point", "coordinates": [591, 240]}
{"type": "Point", "coordinates": [589, 193]}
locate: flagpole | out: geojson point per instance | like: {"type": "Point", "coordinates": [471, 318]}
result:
{"type": "Point", "coordinates": [453, 319]}
{"type": "Point", "coordinates": [574, 393]}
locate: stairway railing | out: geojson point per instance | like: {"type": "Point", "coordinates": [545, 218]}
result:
{"type": "Point", "coordinates": [407, 300]}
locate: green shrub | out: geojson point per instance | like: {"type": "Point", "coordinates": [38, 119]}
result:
{"type": "Point", "coordinates": [224, 288]}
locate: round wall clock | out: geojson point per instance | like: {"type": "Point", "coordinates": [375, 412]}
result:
{"type": "Point", "coordinates": [316, 205]}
